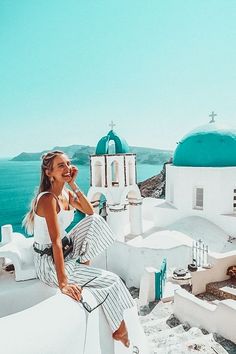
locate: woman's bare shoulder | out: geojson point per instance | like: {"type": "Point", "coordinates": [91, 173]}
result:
{"type": "Point", "coordinates": [47, 200]}
{"type": "Point", "coordinates": [47, 196]}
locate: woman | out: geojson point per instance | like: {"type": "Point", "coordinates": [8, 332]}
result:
{"type": "Point", "coordinates": [51, 213]}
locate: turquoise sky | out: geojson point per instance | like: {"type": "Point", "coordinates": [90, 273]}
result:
{"type": "Point", "coordinates": [157, 68]}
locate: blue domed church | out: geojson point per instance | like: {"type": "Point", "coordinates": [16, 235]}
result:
{"type": "Point", "coordinates": [201, 181]}
{"type": "Point", "coordinates": [113, 180]}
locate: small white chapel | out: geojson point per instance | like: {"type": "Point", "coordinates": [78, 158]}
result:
{"type": "Point", "coordinates": [201, 181]}
{"type": "Point", "coordinates": [113, 183]}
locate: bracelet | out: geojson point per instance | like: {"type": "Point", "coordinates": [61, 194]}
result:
{"type": "Point", "coordinates": [77, 190]}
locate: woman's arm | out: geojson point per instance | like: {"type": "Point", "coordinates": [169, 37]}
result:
{"type": "Point", "coordinates": [80, 202]}
{"type": "Point", "coordinates": [49, 208]}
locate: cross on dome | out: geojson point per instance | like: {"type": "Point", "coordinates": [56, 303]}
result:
{"type": "Point", "coordinates": [212, 116]}
{"type": "Point", "coordinates": [112, 139]}
{"type": "Point", "coordinates": [112, 125]}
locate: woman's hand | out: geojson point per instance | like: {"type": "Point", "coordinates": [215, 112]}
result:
{"type": "Point", "coordinates": [74, 173]}
{"type": "Point", "coordinates": [72, 290]}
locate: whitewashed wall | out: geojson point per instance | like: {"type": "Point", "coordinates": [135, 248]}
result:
{"type": "Point", "coordinates": [219, 318]}
{"type": "Point", "coordinates": [129, 261]}
{"type": "Point", "coordinates": [220, 263]}
{"type": "Point", "coordinates": [29, 322]}
{"type": "Point", "coordinates": [218, 184]}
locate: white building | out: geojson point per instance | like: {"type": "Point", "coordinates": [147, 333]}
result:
{"type": "Point", "coordinates": [113, 180]}
{"type": "Point", "coordinates": [201, 181]}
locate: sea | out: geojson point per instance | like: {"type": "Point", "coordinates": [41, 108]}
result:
{"type": "Point", "coordinates": [19, 182]}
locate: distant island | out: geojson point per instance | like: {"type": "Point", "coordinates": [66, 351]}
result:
{"type": "Point", "coordinates": [79, 154]}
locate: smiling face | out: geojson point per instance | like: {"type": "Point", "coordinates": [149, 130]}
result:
{"type": "Point", "coordinates": [61, 169]}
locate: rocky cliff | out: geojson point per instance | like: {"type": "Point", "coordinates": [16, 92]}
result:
{"type": "Point", "coordinates": [155, 186]}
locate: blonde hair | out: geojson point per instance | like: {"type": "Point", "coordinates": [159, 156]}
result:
{"type": "Point", "coordinates": [44, 185]}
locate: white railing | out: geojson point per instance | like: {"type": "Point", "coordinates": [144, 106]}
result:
{"type": "Point", "coordinates": [200, 253]}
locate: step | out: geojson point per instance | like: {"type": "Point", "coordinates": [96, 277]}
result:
{"type": "Point", "coordinates": [209, 297]}
{"type": "Point", "coordinates": [162, 310]}
{"type": "Point", "coordinates": [155, 325]}
{"type": "Point", "coordinates": [222, 290]}
{"type": "Point", "coordinates": [166, 335]}
{"type": "Point", "coordinates": [174, 335]}
{"type": "Point", "coordinates": [147, 318]}
{"type": "Point", "coordinates": [201, 345]}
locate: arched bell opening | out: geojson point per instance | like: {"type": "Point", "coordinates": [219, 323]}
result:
{"type": "Point", "coordinates": [99, 203]}
{"type": "Point", "coordinates": [115, 173]}
{"type": "Point", "coordinates": [98, 174]}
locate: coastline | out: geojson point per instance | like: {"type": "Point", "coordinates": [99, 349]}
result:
{"type": "Point", "coordinates": [19, 182]}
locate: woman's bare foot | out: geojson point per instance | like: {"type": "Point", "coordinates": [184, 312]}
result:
{"type": "Point", "coordinates": [121, 334]}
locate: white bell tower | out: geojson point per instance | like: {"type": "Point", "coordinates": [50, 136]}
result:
{"type": "Point", "coordinates": [113, 178]}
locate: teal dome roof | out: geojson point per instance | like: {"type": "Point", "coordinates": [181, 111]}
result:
{"type": "Point", "coordinates": [120, 146]}
{"type": "Point", "coordinates": [211, 145]}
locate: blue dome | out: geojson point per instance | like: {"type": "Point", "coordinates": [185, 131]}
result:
{"type": "Point", "coordinates": [119, 144]}
{"type": "Point", "coordinates": [211, 145]}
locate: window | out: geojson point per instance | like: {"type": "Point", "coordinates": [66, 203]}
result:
{"type": "Point", "coordinates": [234, 201]}
{"type": "Point", "coordinates": [131, 173]}
{"type": "Point", "coordinates": [198, 198]}
{"type": "Point", "coordinates": [115, 174]}
{"type": "Point", "coordinates": [98, 174]}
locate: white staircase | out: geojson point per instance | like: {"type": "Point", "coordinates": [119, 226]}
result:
{"type": "Point", "coordinates": [167, 336]}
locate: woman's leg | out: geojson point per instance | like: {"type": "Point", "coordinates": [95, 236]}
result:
{"type": "Point", "coordinates": [106, 284]}
{"type": "Point", "coordinates": [121, 334]}
{"type": "Point", "coordinates": [90, 237]}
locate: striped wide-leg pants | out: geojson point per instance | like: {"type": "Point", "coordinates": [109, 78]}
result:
{"type": "Point", "coordinates": [90, 237]}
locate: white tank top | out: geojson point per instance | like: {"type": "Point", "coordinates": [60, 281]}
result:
{"type": "Point", "coordinates": [65, 217]}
